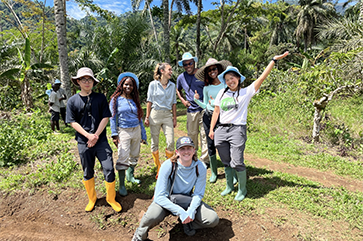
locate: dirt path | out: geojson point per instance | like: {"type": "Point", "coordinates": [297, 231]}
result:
{"type": "Point", "coordinates": [44, 216]}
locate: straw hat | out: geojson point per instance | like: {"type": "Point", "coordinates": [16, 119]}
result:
{"type": "Point", "coordinates": [230, 69]}
{"type": "Point", "coordinates": [200, 74]}
{"type": "Point", "coordinates": [84, 71]}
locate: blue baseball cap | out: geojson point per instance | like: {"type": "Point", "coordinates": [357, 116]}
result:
{"type": "Point", "coordinates": [229, 69]}
{"type": "Point", "coordinates": [57, 81]}
{"type": "Point", "coordinates": [187, 56]}
{"type": "Point", "coordinates": [129, 74]}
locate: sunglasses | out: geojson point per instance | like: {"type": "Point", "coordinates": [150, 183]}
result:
{"type": "Point", "coordinates": [212, 69]}
{"type": "Point", "coordinates": [86, 80]}
{"type": "Point", "coordinates": [188, 64]}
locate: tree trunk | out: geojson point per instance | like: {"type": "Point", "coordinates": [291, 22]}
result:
{"type": "Point", "coordinates": [170, 14]}
{"type": "Point", "coordinates": [316, 127]}
{"type": "Point", "coordinates": [153, 25]}
{"type": "Point", "coordinates": [62, 45]}
{"type": "Point", "coordinates": [360, 12]}
{"type": "Point", "coordinates": [166, 31]}
{"type": "Point", "coordinates": [26, 96]}
{"type": "Point", "coordinates": [200, 6]}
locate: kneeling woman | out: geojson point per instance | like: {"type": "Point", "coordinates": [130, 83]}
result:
{"type": "Point", "coordinates": [127, 129]}
{"type": "Point", "coordinates": [231, 135]}
{"type": "Point", "coordinates": [179, 175]}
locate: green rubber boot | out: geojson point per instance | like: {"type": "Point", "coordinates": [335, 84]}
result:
{"type": "Point", "coordinates": [235, 178]}
{"type": "Point", "coordinates": [121, 181]}
{"type": "Point", "coordinates": [242, 190]}
{"type": "Point", "coordinates": [213, 168]}
{"type": "Point", "coordinates": [229, 181]}
{"type": "Point", "coordinates": [130, 175]}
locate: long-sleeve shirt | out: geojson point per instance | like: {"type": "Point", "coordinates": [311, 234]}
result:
{"type": "Point", "coordinates": [125, 117]}
{"type": "Point", "coordinates": [186, 178]}
{"type": "Point", "coordinates": [161, 99]}
{"type": "Point", "coordinates": [208, 91]}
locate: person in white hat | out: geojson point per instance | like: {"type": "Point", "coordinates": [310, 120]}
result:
{"type": "Point", "coordinates": [189, 83]}
{"type": "Point", "coordinates": [61, 96]}
{"type": "Point", "coordinates": [179, 190]}
{"type": "Point", "coordinates": [212, 85]}
{"type": "Point", "coordinates": [88, 114]}
{"type": "Point", "coordinates": [230, 136]}
{"type": "Point", "coordinates": [161, 111]}
{"type": "Point", "coordinates": [127, 129]}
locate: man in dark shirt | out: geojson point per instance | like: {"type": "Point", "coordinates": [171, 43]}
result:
{"type": "Point", "coordinates": [190, 84]}
{"type": "Point", "coordinates": [88, 113]}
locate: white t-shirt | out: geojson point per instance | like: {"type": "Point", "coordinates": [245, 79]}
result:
{"type": "Point", "coordinates": [53, 98]}
{"type": "Point", "coordinates": [233, 105]}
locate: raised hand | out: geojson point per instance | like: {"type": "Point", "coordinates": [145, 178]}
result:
{"type": "Point", "coordinates": [278, 57]}
{"type": "Point", "coordinates": [196, 95]}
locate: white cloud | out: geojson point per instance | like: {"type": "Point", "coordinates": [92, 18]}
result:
{"type": "Point", "coordinates": [117, 7]}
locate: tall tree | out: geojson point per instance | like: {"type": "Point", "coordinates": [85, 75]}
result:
{"type": "Point", "coordinates": [166, 30]}
{"type": "Point", "coordinates": [62, 44]}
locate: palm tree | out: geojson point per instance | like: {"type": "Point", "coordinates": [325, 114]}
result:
{"type": "Point", "coordinates": [60, 23]}
{"type": "Point", "coordinates": [312, 13]}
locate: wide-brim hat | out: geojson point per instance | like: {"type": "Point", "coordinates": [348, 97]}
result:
{"type": "Point", "coordinates": [184, 141]}
{"type": "Point", "coordinates": [200, 74]}
{"type": "Point", "coordinates": [57, 81]}
{"type": "Point", "coordinates": [129, 74]}
{"type": "Point", "coordinates": [84, 71]}
{"type": "Point", "coordinates": [187, 56]}
{"type": "Point", "coordinates": [230, 69]}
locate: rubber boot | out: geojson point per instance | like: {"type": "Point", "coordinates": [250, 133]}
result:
{"type": "Point", "coordinates": [213, 168]}
{"type": "Point", "coordinates": [156, 161]}
{"type": "Point", "coordinates": [111, 195]}
{"type": "Point", "coordinates": [235, 178]}
{"type": "Point", "coordinates": [242, 190]}
{"type": "Point", "coordinates": [229, 181]}
{"type": "Point", "coordinates": [121, 181]}
{"type": "Point", "coordinates": [91, 192]}
{"type": "Point", "coordinates": [130, 175]}
{"type": "Point", "coordinates": [169, 154]}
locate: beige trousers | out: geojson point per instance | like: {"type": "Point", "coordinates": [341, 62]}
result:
{"type": "Point", "coordinates": [195, 127]}
{"type": "Point", "coordinates": [161, 119]}
{"type": "Point", "coordinates": [128, 147]}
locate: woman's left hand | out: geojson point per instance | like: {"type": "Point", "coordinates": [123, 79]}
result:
{"type": "Point", "coordinates": [187, 220]}
{"type": "Point", "coordinates": [278, 57]}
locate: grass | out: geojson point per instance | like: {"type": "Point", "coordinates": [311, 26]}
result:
{"type": "Point", "coordinates": [50, 162]}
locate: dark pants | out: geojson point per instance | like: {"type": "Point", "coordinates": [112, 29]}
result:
{"type": "Point", "coordinates": [103, 152]}
{"type": "Point", "coordinates": [207, 118]}
{"type": "Point", "coordinates": [63, 113]}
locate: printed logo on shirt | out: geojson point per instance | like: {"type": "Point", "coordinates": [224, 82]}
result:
{"type": "Point", "coordinates": [228, 104]}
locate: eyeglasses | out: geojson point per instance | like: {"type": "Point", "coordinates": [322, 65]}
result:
{"type": "Point", "coordinates": [188, 64]}
{"type": "Point", "coordinates": [212, 69]}
{"type": "Point", "coordinates": [86, 80]}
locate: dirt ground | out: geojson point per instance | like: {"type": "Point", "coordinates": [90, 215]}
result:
{"type": "Point", "coordinates": [44, 216]}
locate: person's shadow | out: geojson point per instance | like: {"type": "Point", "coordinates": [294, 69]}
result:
{"type": "Point", "coordinates": [223, 231]}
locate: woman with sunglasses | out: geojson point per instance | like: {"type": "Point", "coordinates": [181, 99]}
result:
{"type": "Point", "coordinates": [209, 74]}
{"type": "Point", "coordinates": [231, 134]}
{"type": "Point", "coordinates": [127, 129]}
{"type": "Point", "coordinates": [161, 111]}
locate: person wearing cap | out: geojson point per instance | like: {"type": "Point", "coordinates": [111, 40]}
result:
{"type": "Point", "coordinates": [88, 114]}
{"type": "Point", "coordinates": [230, 136]}
{"type": "Point", "coordinates": [189, 179]}
{"type": "Point", "coordinates": [189, 83]}
{"type": "Point", "coordinates": [54, 108]}
{"type": "Point", "coordinates": [209, 75]}
{"type": "Point", "coordinates": [127, 129]}
{"type": "Point", "coordinates": [62, 96]}
{"type": "Point", "coordinates": [161, 111]}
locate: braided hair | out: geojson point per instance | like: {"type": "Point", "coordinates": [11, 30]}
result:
{"type": "Point", "coordinates": [134, 94]}
{"type": "Point", "coordinates": [157, 71]}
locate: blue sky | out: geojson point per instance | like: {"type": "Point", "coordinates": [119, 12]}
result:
{"type": "Point", "coordinates": [121, 6]}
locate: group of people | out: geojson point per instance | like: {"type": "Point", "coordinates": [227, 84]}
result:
{"type": "Point", "coordinates": [216, 110]}
{"type": "Point", "coordinates": [57, 107]}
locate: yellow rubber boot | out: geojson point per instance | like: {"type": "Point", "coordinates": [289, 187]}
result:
{"type": "Point", "coordinates": [156, 161]}
{"type": "Point", "coordinates": [111, 195]}
{"type": "Point", "coordinates": [169, 154]}
{"type": "Point", "coordinates": [91, 192]}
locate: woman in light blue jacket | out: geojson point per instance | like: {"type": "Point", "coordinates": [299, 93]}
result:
{"type": "Point", "coordinates": [127, 129]}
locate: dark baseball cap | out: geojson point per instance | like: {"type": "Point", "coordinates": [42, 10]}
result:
{"type": "Point", "coordinates": [184, 141]}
